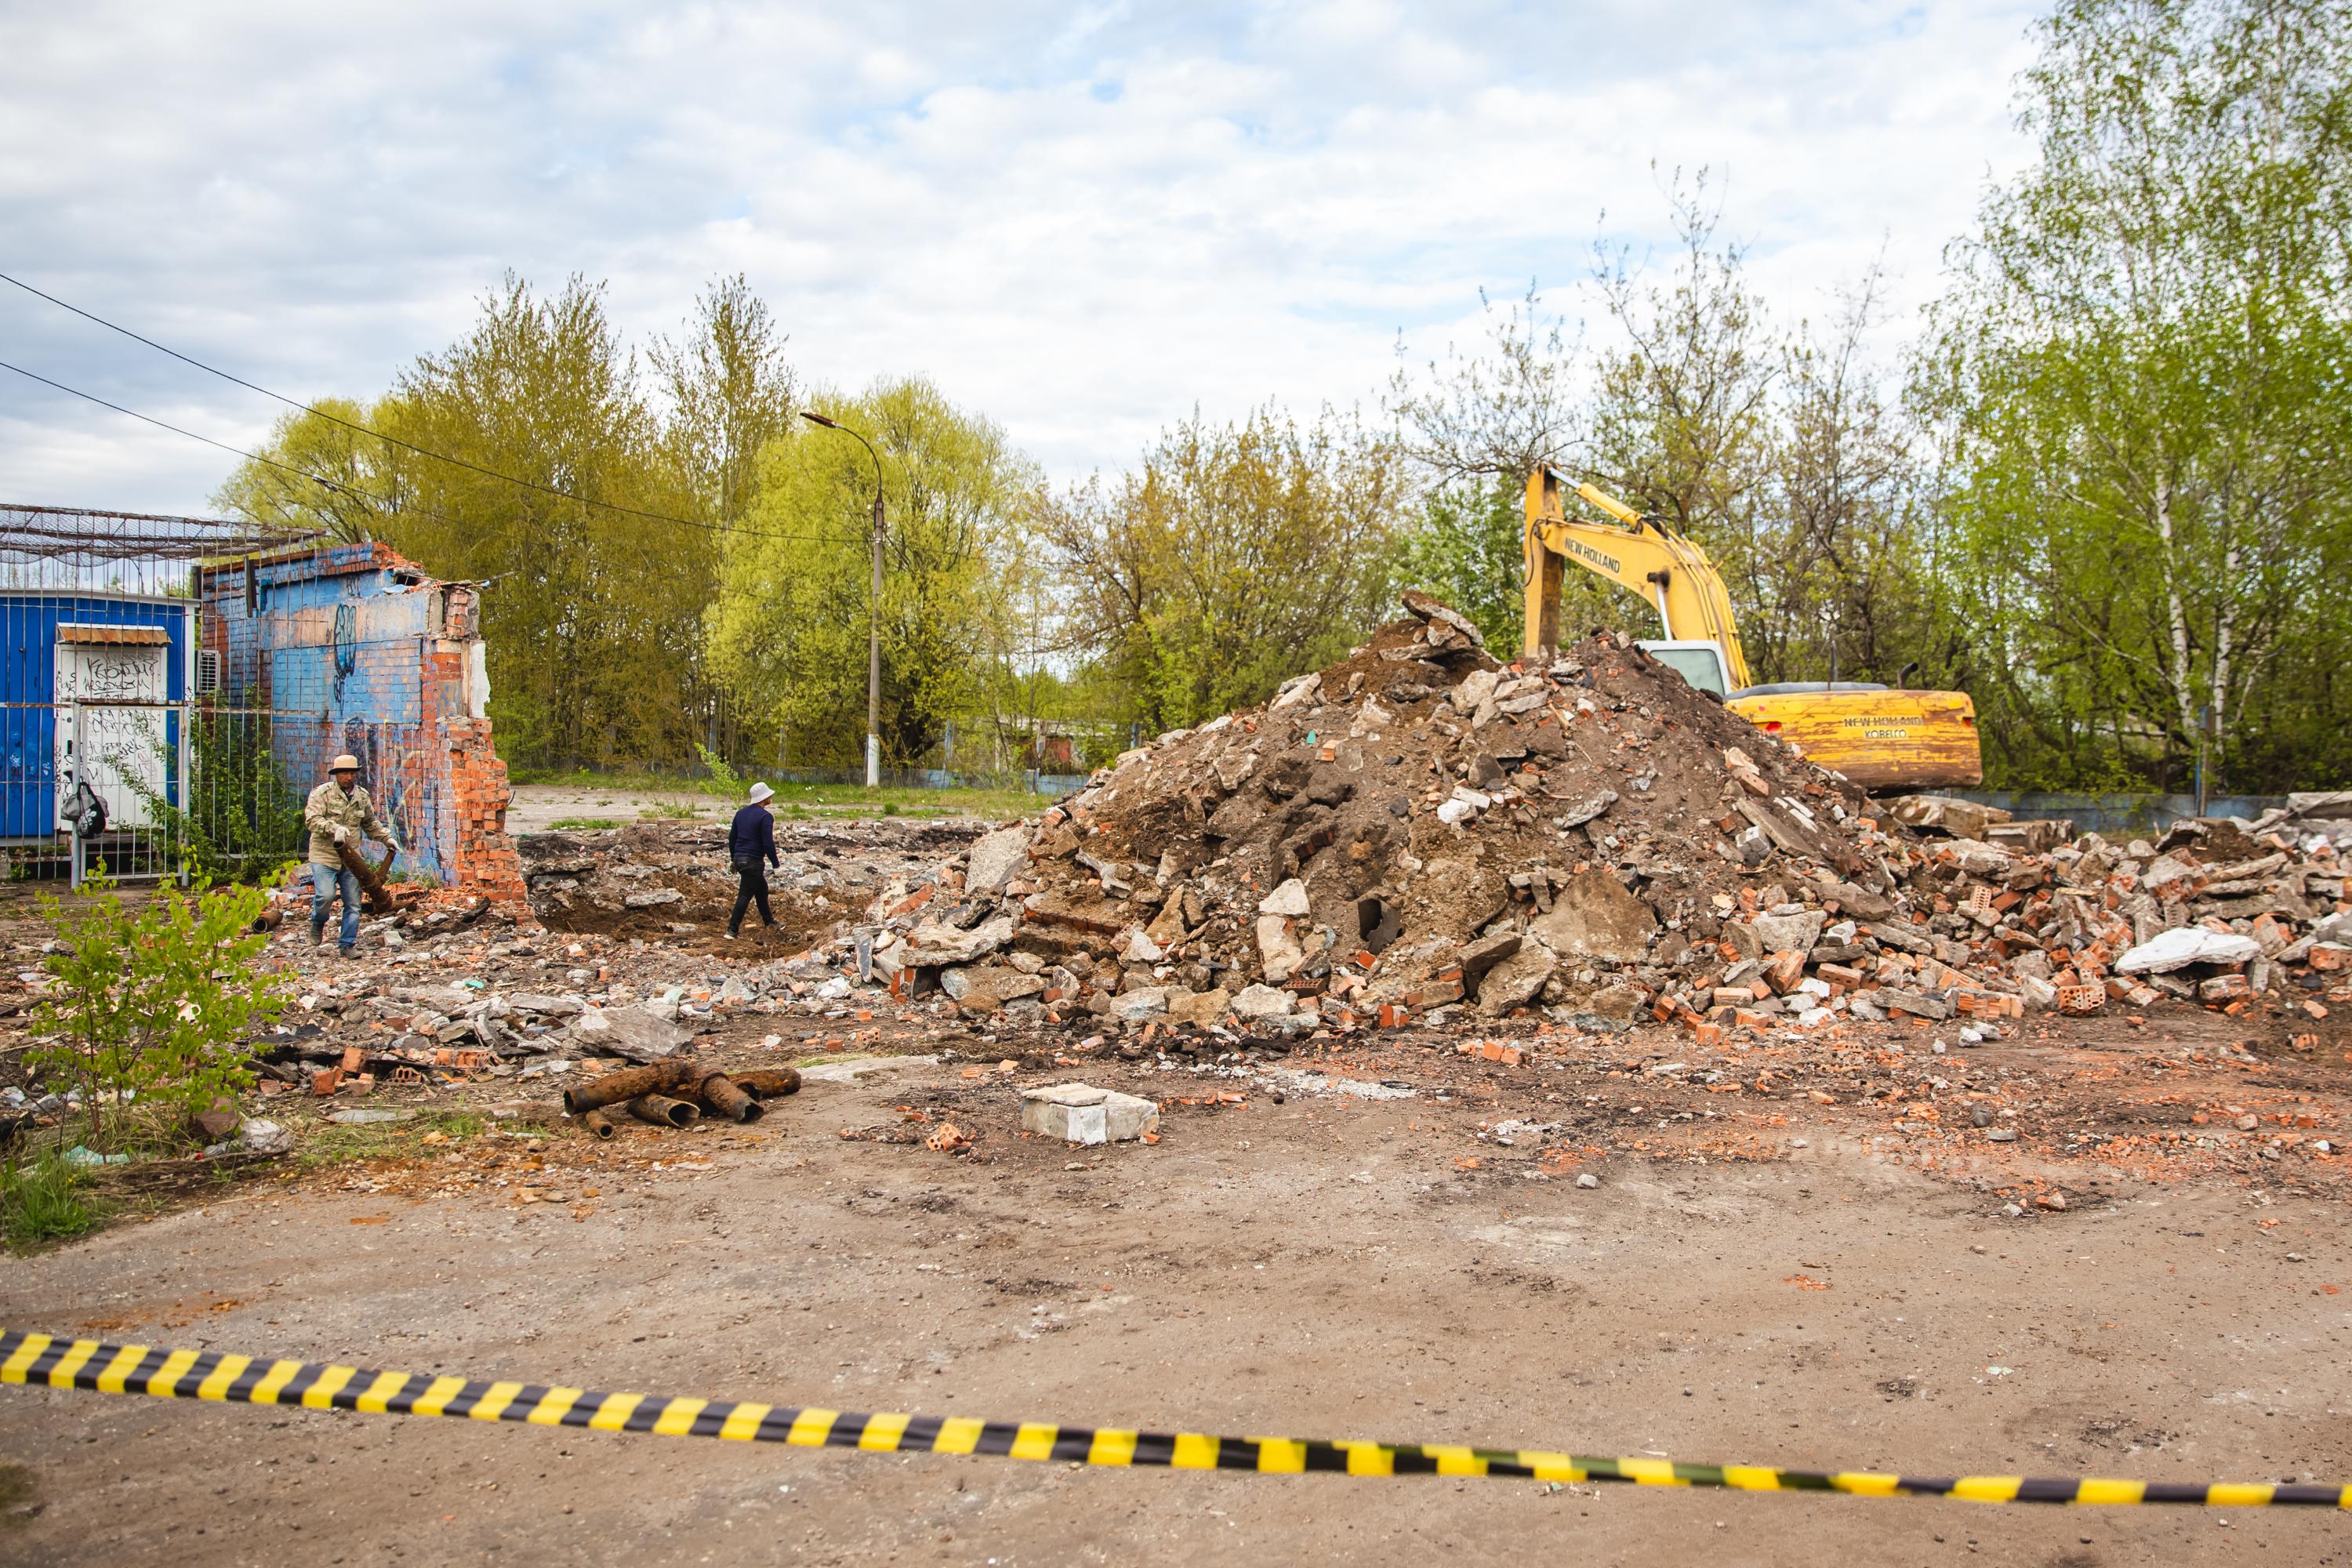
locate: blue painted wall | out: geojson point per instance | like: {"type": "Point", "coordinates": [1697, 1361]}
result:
{"type": "Point", "coordinates": [338, 645]}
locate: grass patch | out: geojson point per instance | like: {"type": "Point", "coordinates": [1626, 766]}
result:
{"type": "Point", "coordinates": [808, 799]}
{"type": "Point", "coordinates": [852, 800]}
{"type": "Point", "coordinates": [669, 811]}
{"type": "Point", "coordinates": [585, 824]}
{"type": "Point", "coordinates": [332, 1142]}
{"type": "Point", "coordinates": [41, 1202]}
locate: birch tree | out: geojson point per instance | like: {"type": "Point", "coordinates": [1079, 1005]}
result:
{"type": "Point", "coordinates": [2141, 379]}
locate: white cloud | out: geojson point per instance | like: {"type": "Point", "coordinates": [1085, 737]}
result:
{"type": "Point", "coordinates": [1084, 218]}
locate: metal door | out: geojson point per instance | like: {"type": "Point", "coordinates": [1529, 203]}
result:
{"type": "Point", "coordinates": [110, 706]}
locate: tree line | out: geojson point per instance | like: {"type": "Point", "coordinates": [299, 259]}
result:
{"type": "Point", "coordinates": [2101, 487]}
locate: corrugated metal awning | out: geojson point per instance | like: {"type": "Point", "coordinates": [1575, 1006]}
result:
{"type": "Point", "coordinates": [69, 632]}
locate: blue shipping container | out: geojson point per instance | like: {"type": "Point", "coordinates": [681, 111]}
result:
{"type": "Point", "coordinates": [143, 719]}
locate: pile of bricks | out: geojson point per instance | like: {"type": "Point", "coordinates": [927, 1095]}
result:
{"type": "Point", "coordinates": [2251, 916]}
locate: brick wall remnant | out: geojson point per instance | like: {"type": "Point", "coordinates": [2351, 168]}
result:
{"type": "Point", "coordinates": [353, 647]}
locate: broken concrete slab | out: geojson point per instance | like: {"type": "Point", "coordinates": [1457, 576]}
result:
{"type": "Point", "coordinates": [1788, 933]}
{"type": "Point", "coordinates": [935, 946]}
{"type": "Point", "coordinates": [1147, 1002]}
{"type": "Point", "coordinates": [631, 1032]}
{"type": "Point", "coordinates": [1483, 955]}
{"type": "Point", "coordinates": [1435, 613]}
{"type": "Point", "coordinates": [2179, 948]}
{"type": "Point", "coordinates": [1201, 1007]}
{"type": "Point", "coordinates": [1578, 816]}
{"type": "Point", "coordinates": [1082, 1113]}
{"type": "Point", "coordinates": [1593, 916]}
{"type": "Point", "coordinates": [997, 857]}
{"type": "Point", "coordinates": [1278, 951]}
{"type": "Point", "coordinates": [989, 985]}
{"type": "Point", "coordinates": [1517, 981]}
{"type": "Point", "coordinates": [1289, 898]}
{"type": "Point", "coordinates": [1942, 813]}
{"type": "Point", "coordinates": [1255, 1004]}
{"type": "Point", "coordinates": [549, 1006]}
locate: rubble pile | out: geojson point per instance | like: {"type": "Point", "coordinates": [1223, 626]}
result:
{"type": "Point", "coordinates": [1422, 832]}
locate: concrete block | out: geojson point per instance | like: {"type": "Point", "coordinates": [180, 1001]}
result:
{"type": "Point", "coordinates": [1082, 1113]}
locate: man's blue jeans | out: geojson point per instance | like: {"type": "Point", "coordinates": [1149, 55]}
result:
{"type": "Point", "coordinates": [326, 881]}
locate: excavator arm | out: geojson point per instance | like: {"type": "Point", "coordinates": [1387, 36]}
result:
{"type": "Point", "coordinates": [1669, 571]}
{"type": "Point", "coordinates": [1881, 740]}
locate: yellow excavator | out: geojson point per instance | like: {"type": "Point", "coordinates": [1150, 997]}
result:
{"type": "Point", "coordinates": [1884, 738]}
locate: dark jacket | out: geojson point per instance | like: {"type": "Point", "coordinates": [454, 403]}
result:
{"type": "Point", "coordinates": [752, 838]}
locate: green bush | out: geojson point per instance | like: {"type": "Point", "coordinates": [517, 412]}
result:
{"type": "Point", "coordinates": [724, 780]}
{"type": "Point", "coordinates": [159, 1002]}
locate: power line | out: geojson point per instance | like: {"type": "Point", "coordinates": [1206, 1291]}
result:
{"type": "Point", "coordinates": [393, 440]}
{"type": "Point", "coordinates": [335, 485]}
{"type": "Point", "coordinates": [340, 488]}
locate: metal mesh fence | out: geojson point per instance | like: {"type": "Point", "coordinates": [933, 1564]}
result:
{"type": "Point", "coordinates": [171, 690]}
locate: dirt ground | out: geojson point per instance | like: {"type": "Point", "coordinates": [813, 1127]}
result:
{"type": "Point", "coordinates": [1778, 1282]}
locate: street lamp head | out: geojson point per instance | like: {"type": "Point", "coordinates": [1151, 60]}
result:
{"type": "Point", "coordinates": [819, 419]}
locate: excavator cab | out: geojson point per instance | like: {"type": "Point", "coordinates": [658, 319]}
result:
{"type": "Point", "coordinates": [1699, 662]}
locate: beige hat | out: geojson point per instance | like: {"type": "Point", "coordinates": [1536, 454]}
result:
{"type": "Point", "coordinates": [760, 791]}
{"type": "Point", "coordinates": [346, 763]}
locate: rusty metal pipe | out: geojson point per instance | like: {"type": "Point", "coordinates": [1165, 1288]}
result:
{"type": "Point", "coordinates": [727, 1098]}
{"type": "Point", "coordinates": [598, 1122]}
{"type": "Point", "coordinates": [627, 1084]}
{"type": "Point", "coordinates": [663, 1111]}
{"type": "Point", "coordinates": [766, 1083]}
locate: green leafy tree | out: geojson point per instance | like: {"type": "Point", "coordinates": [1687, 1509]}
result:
{"type": "Point", "coordinates": [592, 614]}
{"type": "Point", "coordinates": [1467, 547]}
{"type": "Point", "coordinates": [593, 608]}
{"type": "Point", "coordinates": [328, 476]}
{"type": "Point", "coordinates": [1499, 412]}
{"type": "Point", "coordinates": [1840, 551]}
{"type": "Point", "coordinates": [1236, 556]}
{"type": "Point", "coordinates": [2142, 382]}
{"type": "Point", "coordinates": [730, 392]}
{"type": "Point", "coordinates": [788, 625]}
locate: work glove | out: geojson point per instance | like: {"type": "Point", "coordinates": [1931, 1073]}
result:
{"type": "Point", "coordinates": [342, 834]}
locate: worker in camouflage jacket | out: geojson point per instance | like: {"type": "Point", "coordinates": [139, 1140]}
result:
{"type": "Point", "coordinates": [340, 815]}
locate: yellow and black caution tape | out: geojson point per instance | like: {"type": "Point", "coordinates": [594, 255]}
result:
{"type": "Point", "coordinates": [40, 1360]}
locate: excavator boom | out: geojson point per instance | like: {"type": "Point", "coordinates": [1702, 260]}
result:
{"type": "Point", "coordinates": [1881, 740]}
{"type": "Point", "coordinates": [1671, 572]}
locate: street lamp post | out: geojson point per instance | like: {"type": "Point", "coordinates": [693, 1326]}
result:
{"type": "Point", "coordinates": [874, 615]}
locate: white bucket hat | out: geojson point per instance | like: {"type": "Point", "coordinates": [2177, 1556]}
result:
{"type": "Point", "coordinates": [760, 791]}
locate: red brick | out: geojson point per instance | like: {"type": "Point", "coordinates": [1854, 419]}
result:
{"type": "Point", "coordinates": [2081, 999]}
{"type": "Point", "coordinates": [2224, 987]}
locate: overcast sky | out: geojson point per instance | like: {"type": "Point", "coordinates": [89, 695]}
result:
{"type": "Point", "coordinates": [1083, 220]}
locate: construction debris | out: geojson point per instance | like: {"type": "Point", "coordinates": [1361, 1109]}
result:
{"type": "Point", "coordinates": [1420, 833]}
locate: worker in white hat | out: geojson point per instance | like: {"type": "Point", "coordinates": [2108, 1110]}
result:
{"type": "Point", "coordinates": [340, 815]}
{"type": "Point", "coordinates": [752, 849]}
